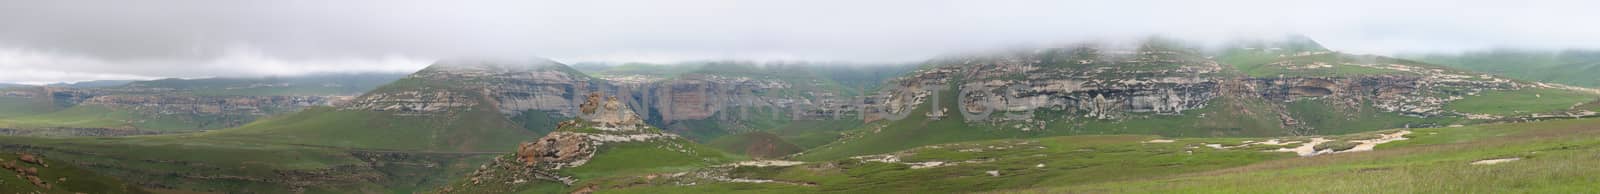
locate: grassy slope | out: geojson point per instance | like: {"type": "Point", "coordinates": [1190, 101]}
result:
{"type": "Point", "coordinates": [613, 160]}
{"type": "Point", "coordinates": [1521, 102]}
{"type": "Point", "coordinates": [1327, 119]}
{"type": "Point", "coordinates": [1024, 163]}
{"type": "Point", "coordinates": [1558, 157]}
{"type": "Point", "coordinates": [78, 180]}
{"type": "Point", "coordinates": [621, 159]}
{"type": "Point", "coordinates": [324, 126]}
{"type": "Point", "coordinates": [179, 161]}
{"type": "Point", "coordinates": [17, 106]}
{"type": "Point", "coordinates": [97, 116]}
{"type": "Point", "coordinates": [1573, 67]}
{"type": "Point", "coordinates": [916, 129]}
{"type": "Point", "coordinates": [755, 144]}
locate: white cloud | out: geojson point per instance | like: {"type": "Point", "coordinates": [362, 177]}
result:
{"type": "Point", "coordinates": [40, 67]}
{"type": "Point", "coordinates": [170, 38]}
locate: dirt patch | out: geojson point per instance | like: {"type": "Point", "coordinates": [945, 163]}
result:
{"type": "Point", "coordinates": [1494, 161]}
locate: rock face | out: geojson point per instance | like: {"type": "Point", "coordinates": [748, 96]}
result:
{"type": "Point", "coordinates": [509, 87]}
{"type": "Point", "coordinates": [1155, 79]}
{"type": "Point", "coordinates": [1094, 83]}
{"type": "Point", "coordinates": [194, 112]}
{"type": "Point", "coordinates": [216, 105]}
{"type": "Point", "coordinates": [556, 151]}
{"type": "Point", "coordinates": [604, 120]}
{"type": "Point", "coordinates": [610, 114]}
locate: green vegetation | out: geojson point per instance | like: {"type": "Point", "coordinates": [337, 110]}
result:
{"type": "Point", "coordinates": [966, 167]}
{"type": "Point", "coordinates": [1555, 157]}
{"type": "Point", "coordinates": [1327, 118]}
{"type": "Point", "coordinates": [190, 163]}
{"type": "Point", "coordinates": [755, 144]}
{"type": "Point", "coordinates": [18, 106]}
{"type": "Point", "coordinates": [1573, 67]}
{"type": "Point", "coordinates": [62, 177]}
{"type": "Point", "coordinates": [325, 126]}
{"type": "Point", "coordinates": [629, 158]}
{"type": "Point", "coordinates": [1317, 65]}
{"type": "Point", "coordinates": [916, 129]}
{"type": "Point", "coordinates": [92, 116]}
{"type": "Point", "coordinates": [1522, 102]}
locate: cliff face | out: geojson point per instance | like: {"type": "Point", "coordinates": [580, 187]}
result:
{"type": "Point", "coordinates": [604, 124]}
{"type": "Point", "coordinates": [212, 105]}
{"type": "Point", "coordinates": [699, 96]}
{"type": "Point", "coordinates": [1153, 80]}
{"type": "Point", "coordinates": [180, 111]}
{"type": "Point", "coordinates": [1082, 80]}
{"type": "Point", "coordinates": [459, 85]}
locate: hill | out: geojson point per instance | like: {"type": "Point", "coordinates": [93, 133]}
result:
{"type": "Point", "coordinates": [1167, 88]}
{"type": "Point", "coordinates": [607, 140]}
{"type": "Point", "coordinates": [450, 106]}
{"type": "Point", "coordinates": [117, 108]}
{"type": "Point", "coordinates": [1571, 67]}
{"type": "Point", "coordinates": [801, 103]}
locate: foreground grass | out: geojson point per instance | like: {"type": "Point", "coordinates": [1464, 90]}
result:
{"type": "Point", "coordinates": [1556, 157]}
{"type": "Point", "coordinates": [1026, 163]}
{"type": "Point", "coordinates": [62, 178]}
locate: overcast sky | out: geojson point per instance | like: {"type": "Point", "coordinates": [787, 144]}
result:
{"type": "Point", "coordinates": [68, 40]}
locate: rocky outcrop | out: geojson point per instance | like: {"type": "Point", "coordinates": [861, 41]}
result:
{"type": "Point", "coordinates": [1116, 84]}
{"type": "Point", "coordinates": [413, 102]}
{"type": "Point", "coordinates": [509, 87]}
{"type": "Point", "coordinates": [556, 151]}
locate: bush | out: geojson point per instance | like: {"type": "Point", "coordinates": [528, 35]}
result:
{"type": "Point", "coordinates": [1336, 145]}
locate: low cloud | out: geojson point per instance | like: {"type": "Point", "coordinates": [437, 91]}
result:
{"type": "Point", "coordinates": [82, 39]}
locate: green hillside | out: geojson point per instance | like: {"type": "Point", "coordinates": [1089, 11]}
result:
{"type": "Point", "coordinates": [19, 106]}
{"type": "Point", "coordinates": [1551, 157]}
{"type": "Point", "coordinates": [325, 126]}
{"type": "Point", "coordinates": [1572, 67]}
{"type": "Point", "coordinates": [55, 177]}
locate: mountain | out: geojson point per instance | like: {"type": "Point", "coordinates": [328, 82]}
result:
{"type": "Point", "coordinates": [1164, 87]}
{"type": "Point", "coordinates": [117, 108]}
{"type": "Point", "coordinates": [1571, 67]}
{"type": "Point", "coordinates": [782, 104]}
{"type": "Point", "coordinates": [449, 106]}
{"type": "Point", "coordinates": [608, 139]}
{"type": "Point", "coordinates": [340, 84]}
{"type": "Point", "coordinates": [411, 135]}
{"type": "Point", "coordinates": [93, 84]}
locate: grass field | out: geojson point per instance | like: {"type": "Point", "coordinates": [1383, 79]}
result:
{"type": "Point", "coordinates": [1522, 102]}
{"type": "Point", "coordinates": [326, 126]}
{"type": "Point", "coordinates": [1555, 157]}
{"type": "Point", "coordinates": [61, 176]}
{"type": "Point", "coordinates": [189, 163]}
